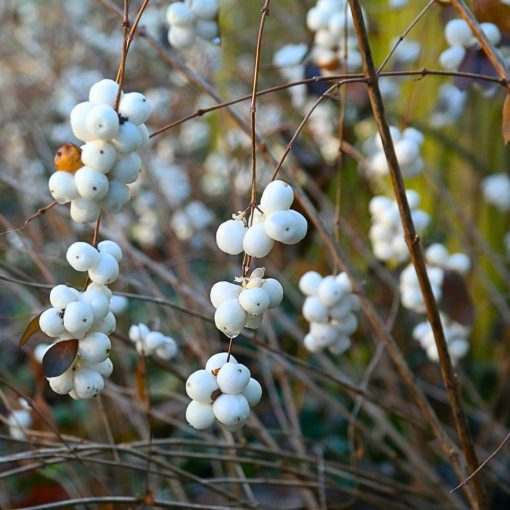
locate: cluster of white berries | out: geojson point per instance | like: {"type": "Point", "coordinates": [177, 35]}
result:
{"type": "Point", "coordinates": [85, 316]}
{"type": "Point", "coordinates": [109, 157]}
{"type": "Point", "coordinates": [455, 335]}
{"type": "Point", "coordinates": [335, 42]}
{"type": "Point", "coordinates": [224, 392]}
{"type": "Point", "coordinates": [330, 307]}
{"type": "Point", "coordinates": [191, 19]}
{"type": "Point", "coordinates": [437, 259]}
{"type": "Point", "coordinates": [459, 36]}
{"type": "Point", "coordinates": [386, 232]}
{"type": "Point", "coordinates": [19, 420]}
{"type": "Point", "coordinates": [150, 343]}
{"type": "Point", "coordinates": [273, 220]}
{"type": "Point", "coordinates": [496, 190]}
{"type": "Point", "coordinates": [407, 149]}
{"type": "Point", "coordinates": [242, 305]}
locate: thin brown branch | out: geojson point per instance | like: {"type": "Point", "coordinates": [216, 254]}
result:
{"type": "Point", "coordinates": [414, 246]}
{"type": "Point", "coordinates": [41, 212]}
{"type": "Point", "coordinates": [483, 464]}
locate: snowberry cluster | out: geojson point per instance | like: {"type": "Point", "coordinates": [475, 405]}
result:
{"type": "Point", "coordinates": [109, 158]}
{"type": "Point", "coordinates": [19, 420]}
{"type": "Point", "coordinates": [242, 305]}
{"type": "Point", "coordinates": [386, 232]}
{"type": "Point", "coordinates": [496, 190]}
{"type": "Point", "coordinates": [330, 307]}
{"type": "Point", "coordinates": [437, 259]}
{"type": "Point", "coordinates": [455, 335]}
{"type": "Point", "coordinates": [224, 391]}
{"type": "Point", "coordinates": [152, 342]}
{"type": "Point", "coordinates": [335, 42]}
{"type": "Point", "coordinates": [273, 220]}
{"type": "Point", "coordinates": [459, 36]}
{"type": "Point", "coordinates": [192, 18]}
{"type": "Point", "coordinates": [407, 149]}
{"type": "Point", "coordinates": [85, 316]}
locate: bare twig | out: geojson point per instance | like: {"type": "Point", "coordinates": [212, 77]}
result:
{"type": "Point", "coordinates": [414, 246]}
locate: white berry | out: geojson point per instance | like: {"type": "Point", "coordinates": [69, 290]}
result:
{"type": "Point", "coordinates": [200, 386]}
{"type": "Point", "coordinates": [231, 409]}
{"type": "Point", "coordinates": [233, 378]}
{"type": "Point", "coordinates": [82, 256]}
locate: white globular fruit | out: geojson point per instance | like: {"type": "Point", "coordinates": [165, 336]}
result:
{"type": "Point", "coordinates": [232, 378]}
{"type": "Point", "coordinates": [223, 291]}
{"type": "Point", "coordinates": [135, 108]}
{"type": "Point", "coordinates": [104, 92]}
{"type": "Point", "coordinates": [278, 196]}
{"type": "Point", "coordinates": [218, 360]}
{"type": "Point", "coordinates": [330, 292]}
{"type": "Point", "coordinates": [102, 121]}
{"type": "Point", "coordinates": [105, 271]}
{"type": "Point", "coordinates": [62, 384]}
{"type": "Point", "coordinates": [99, 155]}
{"type": "Point", "coordinates": [231, 409]}
{"type": "Point", "coordinates": [110, 247]}
{"type": "Point", "coordinates": [254, 301]}
{"type": "Point", "coordinates": [252, 392]}
{"type": "Point", "coordinates": [230, 235]}
{"type": "Point", "coordinates": [309, 283]}
{"type": "Point", "coordinates": [87, 383]}
{"type": "Point", "coordinates": [256, 243]}
{"type": "Point", "coordinates": [94, 348]}
{"type": "Point", "coordinates": [62, 187]}
{"type": "Point", "coordinates": [274, 290]}
{"type": "Point", "coordinates": [201, 385]}
{"type": "Point", "coordinates": [91, 184]}
{"type": "Point", "coordinates": [230, 318]}
{"type": "Point", "coordinates": [288, 227]}
{"type": "Point", "coordinates": [51, 322]}
{"type": "Point", "coordinates": [78, 317]}
{"type": "Point", "coordinates": [200, 416]}
{"type": "Point", "coordinates": [62, 295]}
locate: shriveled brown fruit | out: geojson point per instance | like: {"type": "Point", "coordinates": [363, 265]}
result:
{"type": "Point", "coordinates": [68, 158]}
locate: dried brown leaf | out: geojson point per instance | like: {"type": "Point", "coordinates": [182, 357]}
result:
{"type": "Point", "coordinates": [59, 357]}
{"type": "Point", "coordinates": [141, 379]}
{"type": "Point", "coordinates": [506, 119]}
{"type": "Point", "coordinates": [31, 329]}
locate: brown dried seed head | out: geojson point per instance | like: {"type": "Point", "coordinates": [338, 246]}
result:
{"type": "Point", "coordinates": [68, 158]}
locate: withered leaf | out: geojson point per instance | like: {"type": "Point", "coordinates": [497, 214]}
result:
{"type": "Point", "coordinates": [456, 301]}
{"type": "Point", "coordinates": [59, 357]}
{"type": "Point", "coordinates": [31, 329]}
{"type": "Point", "coordinates": [141, 379]}
{"type": "Point", "coordinates": [506, 119]}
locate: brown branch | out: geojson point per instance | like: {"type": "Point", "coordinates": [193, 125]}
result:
{"type": "Point", "coordinates": [422, 73]}
{"type": "Point", "coordinates": [122, 64]}
{"type": "Point", "coordinates": [414, 246]}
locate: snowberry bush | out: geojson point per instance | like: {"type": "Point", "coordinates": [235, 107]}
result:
{"type": "Point", "coordinates": [279, 104]}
